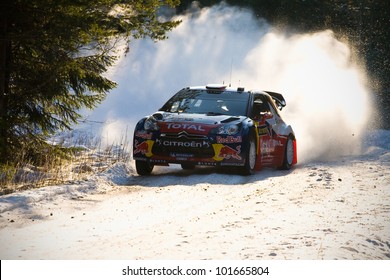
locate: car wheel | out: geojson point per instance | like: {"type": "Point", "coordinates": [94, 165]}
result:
{"type": "Point", "coordinates": [187, 166]}
{"type": "Point", "coordinates": [288, 153]}
{"type": "Point", "coordinates": [250, 158]}
{"type": "Point", "coordinates": [143, 167]}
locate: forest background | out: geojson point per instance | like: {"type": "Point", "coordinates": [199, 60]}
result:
{"type": "Point", "coordinates": [54, 53]}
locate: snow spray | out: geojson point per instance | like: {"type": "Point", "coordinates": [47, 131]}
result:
{"type": "Point", "coordinates": [326, 91]}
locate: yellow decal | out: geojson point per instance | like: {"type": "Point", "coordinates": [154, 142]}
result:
{"type": "Point", "coordinates": [217, 150]}
{"type": "Point", "coordinates": [150, 146]}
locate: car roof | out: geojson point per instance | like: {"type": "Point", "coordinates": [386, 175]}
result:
{"type": "Point", "coordinates": [274, 96]}
{"type": "Point", "coordinates": [220, 87]}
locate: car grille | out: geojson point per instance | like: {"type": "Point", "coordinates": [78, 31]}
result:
{"type": "Point", "coordinates": [170, 144]}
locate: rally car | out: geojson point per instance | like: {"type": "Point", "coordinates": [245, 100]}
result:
{"type": "Point", "coordinates": [216, 125]}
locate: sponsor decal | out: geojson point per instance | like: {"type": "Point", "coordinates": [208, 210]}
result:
{"type": "Point", "coordinates": [181, 159]}
{"type": "Point", "coordinates": [181, 155]}
{"type": "Point", "coordinates": [226, 152]}
{"type": "Point", "coordinates": [262, 130]}
{"type": "Point", "coordinates": [187, 144]}
{"type": "Point", "coordinates": [232, 164]}
{"type": "Point", "coordinates": [144, 148]}
{"type": "Point", "coordinates": [144, 135]}
{"type": "Point", "coordinates": [229, 139]}
{"type": "Point", "coordinates": [265, 129]}
{"type": "Point", "coordinates": [206, 163]}
{"type": "Point", "coordinates": [268, 147]}
{"type": "Point", "coordinates": [158, 161]}
{"type": "Point", "coordinates": [277, 142]}
{"type": "Point", "coordinates": [265, 151]}
{"type": "Point", "coordinates": [185, 126]}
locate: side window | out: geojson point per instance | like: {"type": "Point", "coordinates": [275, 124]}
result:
{"type": "Point", "coordinates": [260, 107]}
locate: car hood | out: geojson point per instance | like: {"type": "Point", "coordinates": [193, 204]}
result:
{"type": "Point", "coordinates": [194, 123]}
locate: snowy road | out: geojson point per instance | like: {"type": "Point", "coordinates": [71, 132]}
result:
{"type": "Point", "coordinates": [328, 210]}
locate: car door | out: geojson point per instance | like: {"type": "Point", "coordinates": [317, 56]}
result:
{"type": "Point", "coordinates": [264, 121]}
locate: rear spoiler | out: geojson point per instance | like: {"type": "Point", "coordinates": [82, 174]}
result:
{"type": "Point", "coordinates": [278, 98]}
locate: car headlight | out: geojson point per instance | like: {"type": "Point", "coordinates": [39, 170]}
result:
{"type": "Point", "coordinates": [230, 129]}
{"type": "Point", "coordinates": [151, 124]}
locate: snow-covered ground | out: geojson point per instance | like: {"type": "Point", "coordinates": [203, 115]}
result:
{"type": "Point", "coordinates": [338, 209]}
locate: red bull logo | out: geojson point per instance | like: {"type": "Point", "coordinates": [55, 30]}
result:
{"type": "Point", "coordinates": [144, 148]}
{"type": "Point", "coordinates": [226, 152]}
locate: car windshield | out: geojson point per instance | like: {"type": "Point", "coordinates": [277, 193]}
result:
{"type": "Point", "coordinates": [208, 102]}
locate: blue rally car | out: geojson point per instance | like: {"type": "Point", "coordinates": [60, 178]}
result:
{"type": "Point", "coordinates": [219, 126]}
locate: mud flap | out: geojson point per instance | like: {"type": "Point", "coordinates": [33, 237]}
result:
{"type": "Point", "coordinates": [295, 159]}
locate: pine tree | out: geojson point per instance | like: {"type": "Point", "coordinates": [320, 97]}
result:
{"type": "Point", "coordinates": [53, 56]}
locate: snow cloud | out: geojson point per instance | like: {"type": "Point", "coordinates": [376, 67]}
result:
{"type": "Point", "coordinates": [326, 91]}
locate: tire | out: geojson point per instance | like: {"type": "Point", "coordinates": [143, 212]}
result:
{"type": "Point", "coordinates": [250, 157]}
{"type": "Point", "coordinates": [288, 153]}
{"type": "Point", "coordinates": [187, 166]}
{"type": "Point", "coordinates": [143, 167]}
